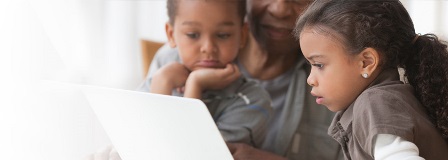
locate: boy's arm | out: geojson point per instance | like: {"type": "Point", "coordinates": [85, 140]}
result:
{"type": "Point", "coordinates": [168, 77]}
{"type": "Point", "coordinates": [164, 56]}
{"type": "Point", "coordinates": [193, 89]}
{"type": "Point", "coordinates": [209, 78]}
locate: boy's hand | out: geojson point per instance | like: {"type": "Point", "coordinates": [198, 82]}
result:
{"type": "Point", "coordinates": [210, 78]}
{"type": "Point", "coordinates": [170, 76]}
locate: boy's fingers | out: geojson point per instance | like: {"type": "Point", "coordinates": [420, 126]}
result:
{"type": "Point", "coordinates": [231, 69]}
{"type": "Point", "coordinates": [236, 70]}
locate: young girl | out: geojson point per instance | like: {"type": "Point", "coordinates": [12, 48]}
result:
{"type": "Point", "coordinates": [208, 35]}
{"type": "Point", "coordinates": [355, 48]}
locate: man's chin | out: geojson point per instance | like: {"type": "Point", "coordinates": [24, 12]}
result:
{"type": "Point", "coordinates": [279, 47]}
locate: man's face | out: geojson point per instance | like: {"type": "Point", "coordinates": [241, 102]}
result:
{"type": "Point", "coordinates": [272, 22]}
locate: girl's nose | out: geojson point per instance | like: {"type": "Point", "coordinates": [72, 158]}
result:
{"type": "Point", "coordinates": [311, 80]}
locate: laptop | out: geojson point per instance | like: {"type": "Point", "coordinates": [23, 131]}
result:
{"type": "Point", "coordinates": [156, 127]}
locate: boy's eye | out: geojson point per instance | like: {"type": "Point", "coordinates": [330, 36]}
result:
{"type": "Point", "coordinates": [193, 35]}
{"type": "Point", "coordinates": [223, 35]}
{"type": "Point", "coordinates": [318, 65]}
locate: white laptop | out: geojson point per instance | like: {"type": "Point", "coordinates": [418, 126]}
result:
{"type": "Point", "coordinates": [157, 127]}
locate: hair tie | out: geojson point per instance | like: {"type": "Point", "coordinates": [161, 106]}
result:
{"type": "Point", "coordinates": [415, 38]}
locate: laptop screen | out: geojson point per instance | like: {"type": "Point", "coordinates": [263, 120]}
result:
{"type": "Point", "coordinates": [151, 126]}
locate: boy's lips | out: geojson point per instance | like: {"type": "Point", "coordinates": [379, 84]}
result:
{"type": "Point", "coordinates": [208, 64]}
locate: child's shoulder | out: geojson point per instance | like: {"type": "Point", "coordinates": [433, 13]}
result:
{"type": "Point", "coordinates": [389, 91]}
{"type": "Point", "coordinates": [167, 54]}
{"type": "Point", "coordinates": [388, 97]}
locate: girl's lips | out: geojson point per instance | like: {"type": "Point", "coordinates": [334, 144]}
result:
{"type": "Point", "coordinates": [319, 100]}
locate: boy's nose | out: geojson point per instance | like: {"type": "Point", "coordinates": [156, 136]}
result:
{"type": "Point", "coordinates": [279, 9]}
{"type": "Point", "coordinates": [208, 46]}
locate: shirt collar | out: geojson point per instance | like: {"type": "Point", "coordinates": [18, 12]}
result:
{"type": "Point", "coordinates": [386, 77]}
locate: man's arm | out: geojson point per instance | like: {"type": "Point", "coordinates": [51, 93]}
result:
{"type": "Point", "coordinates": [241, 151]}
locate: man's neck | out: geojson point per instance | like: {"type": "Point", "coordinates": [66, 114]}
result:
{"type": "Point", "coordinates": [264, 65]}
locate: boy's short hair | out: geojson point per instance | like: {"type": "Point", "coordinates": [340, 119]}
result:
{"type": "Point", "coordinates": [172, 6]}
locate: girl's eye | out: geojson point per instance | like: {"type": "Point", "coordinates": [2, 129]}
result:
{"type": "Point", "coordinates": [193, 35]}
{"type": "Point", "coordinates": [318, 65]}
{"type": "Point", "coordinates": [223, 35]}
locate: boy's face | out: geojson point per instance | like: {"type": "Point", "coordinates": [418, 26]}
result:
{"type": "Point", "coordinates": [208, 34]}
{"type": "Point", "coordinates": [272, 22]}
{"type": "Point", "coordinates": [335, 75]}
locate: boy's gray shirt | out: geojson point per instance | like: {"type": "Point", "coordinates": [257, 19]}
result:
{"type": "Point", "coordinates": [241, 110]}
{"type": "Point", "coordinates": [304, 124]}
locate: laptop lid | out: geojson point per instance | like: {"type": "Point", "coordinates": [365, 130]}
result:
{"type": "Point", "coordinates": [151, 126]}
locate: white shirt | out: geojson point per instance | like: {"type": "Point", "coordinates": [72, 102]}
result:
{"type": "Point", "coordinates": [392, 147]}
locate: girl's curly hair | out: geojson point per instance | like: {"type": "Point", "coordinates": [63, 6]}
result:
{"type": "Point", "coordinates": [386, 26]}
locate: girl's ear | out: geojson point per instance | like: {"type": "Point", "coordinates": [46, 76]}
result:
{"type": "Point", "coordinates": [244, 35]}
{"type": "Point", "coordinates": [169, 29]}
{"type": "Point", "coordinates": [369, 61]}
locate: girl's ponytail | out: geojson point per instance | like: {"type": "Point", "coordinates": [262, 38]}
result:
{"type": "Point", "coordinates": [427, 70]}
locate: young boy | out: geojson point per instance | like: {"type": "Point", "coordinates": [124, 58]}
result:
{"type": "Point", "coordinates": [208, 35]}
